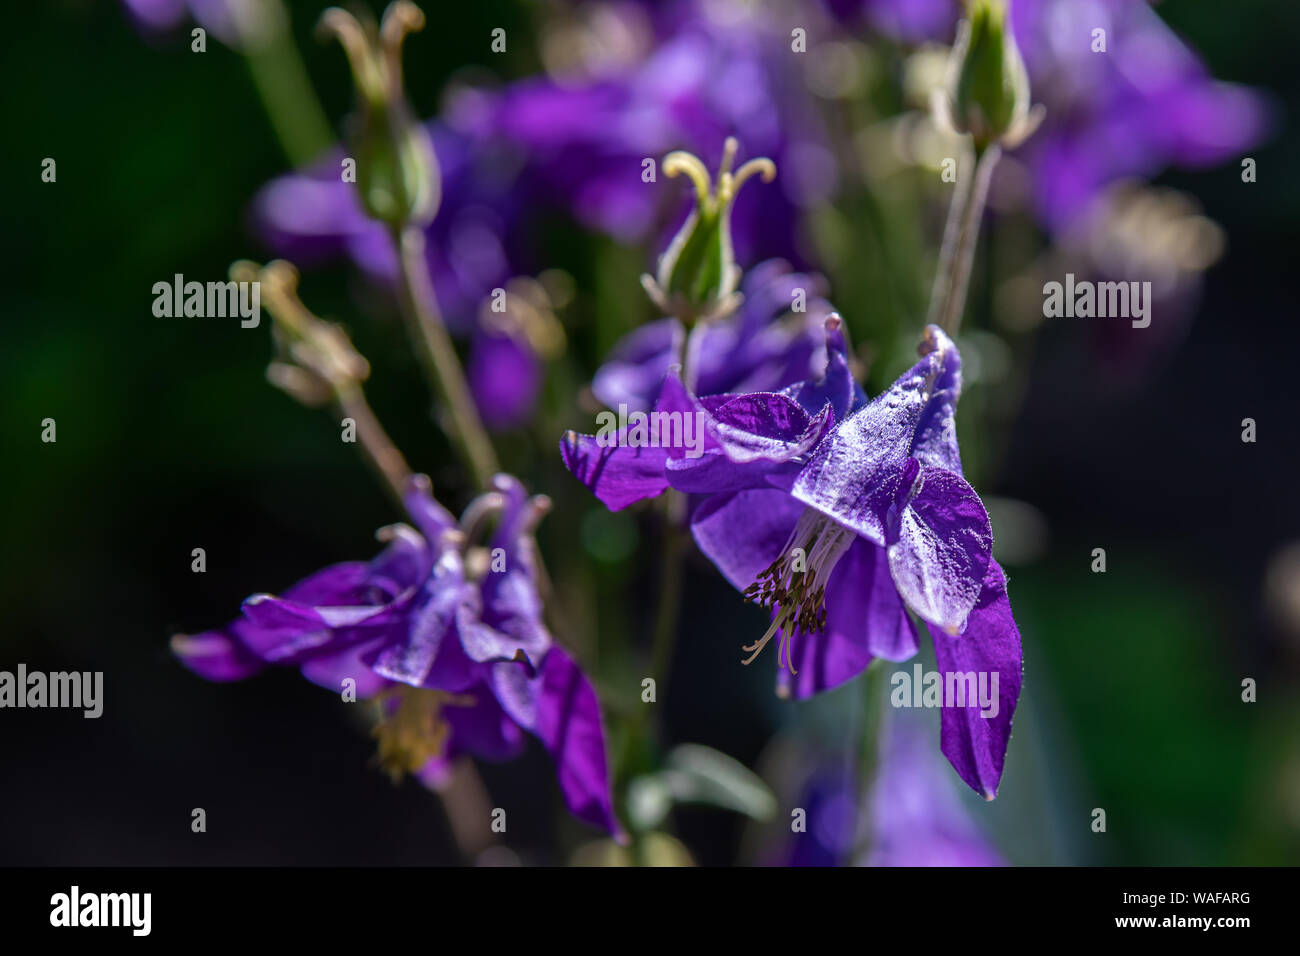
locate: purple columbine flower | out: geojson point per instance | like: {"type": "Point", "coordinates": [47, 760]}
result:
{"type": "Point", "coordinates": [841, 516]}
{"type": "Point", "coordinates": [762, 346]}
{"type": "Point", "coordinates": [448, 632]}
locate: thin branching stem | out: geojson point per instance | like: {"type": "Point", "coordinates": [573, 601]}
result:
{"type": "Point", "coordinates": [960, 236]}
{"type": "Point", "coordinates": [420, 308]}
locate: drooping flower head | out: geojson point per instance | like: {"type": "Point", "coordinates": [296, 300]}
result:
{"type": "Point", "coordinates": [445, 627]}
{"type": "Point", "coordinates": [843, 518]}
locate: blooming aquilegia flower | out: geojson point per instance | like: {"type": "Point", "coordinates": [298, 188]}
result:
{"type": "Point", "coordinates": [447, 631]}
{"type": "Point", "coordinates": [841, 516]}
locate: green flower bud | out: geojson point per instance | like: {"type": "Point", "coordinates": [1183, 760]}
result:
{"type": "Point", "coordinates": [988, 88]}
{"type": "Point", "coordinates": [397, 171]}
{"type": "Point", "coordinates": [698, 275]}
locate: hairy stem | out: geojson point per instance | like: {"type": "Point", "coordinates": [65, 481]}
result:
{"type": "Point", "coordinates": [468, 806]}
{"type": "Point", "coordinates": [960, 236]}
{"type": "Point", "coordinates": [379, 449]}
{"type": "Point", "coordinates": [664, 639]}
{"type": "Point", "coordinates": [690, 359]}
{"type": "Point", "coordinates": [420, 308]}
{"type": "Point", "coordinates": [666, 625]}
{"type": "Point", "coordinates": [874, 685]}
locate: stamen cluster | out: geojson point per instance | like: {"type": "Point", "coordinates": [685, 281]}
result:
{"type": "Point", "coordinates": [794, 585]}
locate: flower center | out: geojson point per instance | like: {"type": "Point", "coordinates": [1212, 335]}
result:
{"type": "Point", "coordinates": [794, 585]}
{"type": "Point", "coordinates": [414, 732]}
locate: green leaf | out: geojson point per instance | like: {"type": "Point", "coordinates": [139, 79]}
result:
{"type": "Point", "coordinates": [699, 774]}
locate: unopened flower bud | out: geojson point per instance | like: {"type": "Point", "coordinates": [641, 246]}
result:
{"type": "Point", "coordinates": [988, 87]}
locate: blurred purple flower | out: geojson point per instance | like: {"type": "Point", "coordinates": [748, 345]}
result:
{"type": "Point", "coordinates": [1146, 103]}
{"type": "Point", "coordinates": [840, 516]}
{"type": "Point", "coordinates": [713, 71]}
{"type": "Point", "coordinates": [910, 816]}
{"type": "Point", "coordinates": [227, 19]}
{"type": "Point", "coordinates": [829, 797]}
{"type": "Point", "coordinates": [763, 346]}
{"type": "Point", "coordinates": [911, 21]}
{"type": "Point", "coordinates": [916, 818]}
{"type": "Point", "coordinates": [577, 144]}
{"type": "Point", "coordinates": [451, 636]}
{"type": "Point", "coordinates": [505, 377]}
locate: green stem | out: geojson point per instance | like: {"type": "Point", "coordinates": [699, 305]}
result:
{"type": "Point", "coordinates": [384, 456]}
{"type": "Point", "coordinates": [670, 590]}
{"type": "Point", "coordinates": [420, 308]}
{"type": "Point", "coordinates": [960, 236]}
{"type": "Point", "coordinates": [286, 92]}
{"type": "Point", "coordinates": [690, 359]}
{"type": "Point", "coordinates": [874, 691]}
{"type": "Point", "coordinates": [468, 806]}
{"type": "Point", "coordinates": [674, 513]}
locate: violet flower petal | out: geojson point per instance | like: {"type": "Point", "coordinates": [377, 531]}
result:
{"type": "Point", "coordinates": [744, 532]}
{"type": "Point", "coordinates": [218, 655]}
{"type": "Point", "coordinates": [836, 385]}
{"type": "Point", "coordinates": [569, 725]}
{"type": "Point", "coordinates": [856, 474]}
{"type": "Point", "coordinates": [941, 548]}
{"type": "Point", "coordinates": [511, 605]}
{"type": "Point", "coordinates": [976, 745]}
{"type": "Point", "coordinates": [483, 728]}
{"type": "Point", "coordinates": [618, 476]}
{"type": "Point", "coordinates": [433, 616]}
{"type": "Point", "coordinates": [354, 662]}
{"type": "Point", "coordinates": [560, 707]}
